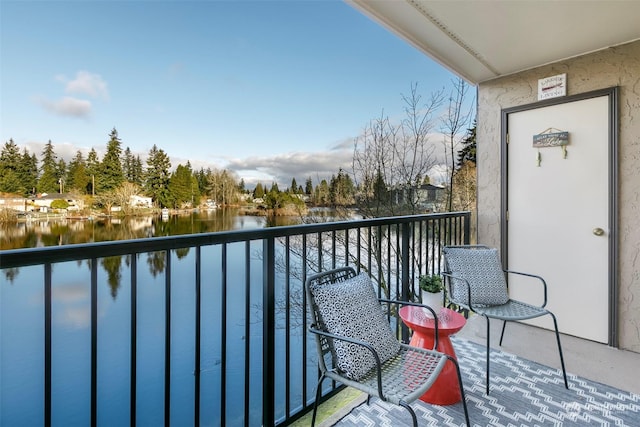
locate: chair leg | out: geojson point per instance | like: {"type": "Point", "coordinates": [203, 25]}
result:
{"type": "Point", "coordinates": [488, 351]}
{"type": "Point", "coordinates": [462, 395]}
{"type": "Point", "coordinates": [315, 404]}
{"type": "Point", "coordinates": [504, 324]}
{"type": "Point", "coordinates": [564, 371]}
{"type": "Point", "coordinates": [410, 409]}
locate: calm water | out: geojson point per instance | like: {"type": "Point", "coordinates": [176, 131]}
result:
{"type": "Point", "coordinates": [22, 326]}
{"type": "Point", "coordinates": [53, 232]}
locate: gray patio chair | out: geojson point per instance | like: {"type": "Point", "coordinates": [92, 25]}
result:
{"type": "Point", "coordinates": [476, 281]}
{"type": "Point", "coordinates": [357, 347]}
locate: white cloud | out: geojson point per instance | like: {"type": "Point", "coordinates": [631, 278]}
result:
{"type": "Point", "coordinates": [300, 165]}
{"type": "Point", "coordinates": [86, 83]}
{"type": "Point", "coordinates": [68, 106]}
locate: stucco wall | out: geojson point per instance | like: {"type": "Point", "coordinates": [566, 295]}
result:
{"type": "Point", "coordinates": [616, 66]}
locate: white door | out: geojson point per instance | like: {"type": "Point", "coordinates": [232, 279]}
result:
{"type": "Point", "coordinates": [556, 211]}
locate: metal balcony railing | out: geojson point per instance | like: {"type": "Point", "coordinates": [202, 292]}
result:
{"type": "Point", "coordinates": [214, 328]}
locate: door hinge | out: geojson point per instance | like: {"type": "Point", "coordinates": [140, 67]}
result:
{"type": "Point", "coordinates": [507, 138]}
{"type": "Point", "coordinates": [506, 215]}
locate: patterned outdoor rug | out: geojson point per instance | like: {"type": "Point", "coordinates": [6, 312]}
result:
{"type": "Point", "coordinates": [523, 393]}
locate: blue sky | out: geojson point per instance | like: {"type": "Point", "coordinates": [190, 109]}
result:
{"type": "Point", "coordinates": [269, 89]}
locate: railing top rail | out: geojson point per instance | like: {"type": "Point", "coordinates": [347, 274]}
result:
{"type": "Point", "coordinates": [34, 256]}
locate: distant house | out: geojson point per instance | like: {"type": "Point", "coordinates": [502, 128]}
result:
{"type": "Point", "coordinates": [425, 196]}
{"type": "Point", "coordinates": [136, 201]}
{"type": "Point", "coordinates": [18, 204]}
{"type": "Point", "coordinates": [42, 202]}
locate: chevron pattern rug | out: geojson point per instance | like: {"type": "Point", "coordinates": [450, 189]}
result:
{"type": "Point", "coordinates": [523, 393]}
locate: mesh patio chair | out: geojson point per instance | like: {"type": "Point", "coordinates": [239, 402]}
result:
{"type": "Point", "coordinates": [357, 347]}
{"type": "Point", "coordinates": [476, 281]}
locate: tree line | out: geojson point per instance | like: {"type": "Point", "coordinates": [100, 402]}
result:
{"type": "Point", "coordinates": [391, 160]}
{"type": "Point", "coordinates": [119, 175]}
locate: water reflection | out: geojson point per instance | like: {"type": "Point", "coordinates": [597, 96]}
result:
{"type": "Point", "coordinates": [54, 232]}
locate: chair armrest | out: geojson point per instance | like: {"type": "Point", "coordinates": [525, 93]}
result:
{"type": "Point", "coordinates": [368, 346]}
{"type": "Point", "coordinates": [417, 304]}
{"type": "Point", "coordinates": [535, 276]}
{"type": "Point", "coordinates": [451, 276]}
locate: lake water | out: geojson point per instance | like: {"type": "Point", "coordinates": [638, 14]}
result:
{"type": "Point", "coordinates": [22, 327]}
{"type": "Point", "coordinates": [53, 232]}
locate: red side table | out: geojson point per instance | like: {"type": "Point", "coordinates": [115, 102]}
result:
{"type": "Point", "coordinates": [445, 391]}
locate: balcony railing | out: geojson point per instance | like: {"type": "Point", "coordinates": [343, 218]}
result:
{"type": "Point", "coordinates": [212, 332]}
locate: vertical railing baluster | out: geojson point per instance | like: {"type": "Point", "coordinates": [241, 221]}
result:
{"type": "Point", "coordinates": [287, 295]}
{"type": "Point", "coordinates": [346, 247]}
{"type": "Point", "coordinates": [94, 341]}
{"type": "Point", "coordinates": [398, 261]}
{"type": "Point", "coordinates": [467, 228]}
{"type": "Point", "coordinates": [47, 344]}
{"type": "Point", "coordinates": [414, 263]}
{"type": "Point", "coordinates": [436, 243]}
{"type": "Point", "coordinates": [333, 249]}
{"type": "Point", "coordinates": [359, 248]}
{"type": "Point", "coordinates": [134, 340]}
{"type": "Point", "coordinates": [268, 332]}
{"type": "Point", "coordinates": [388, 240]}
{"type": "Point", "coordinates": [223, 337]}
{"type": "Point", "coordinates": [196, 362]}
{"type": "Point", "coordinates": [304, 321]}
{"type": "Point", "coordinates": [247, 331]}
{"type": "Point", "coordinates": [319, 247]}
{"type": "Point", "coordinates": [406, 231]}
{"type": "Point", "coordinates": [167, 340]}
{"type": "Point", "coordinates": [369, 254]}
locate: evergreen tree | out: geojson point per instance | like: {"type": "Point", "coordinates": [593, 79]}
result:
{"type": "Point", "coordinates": [241, 186]}
{"type": "Point", "coordinates": [29, 172]}
{"type": "Point", "coordinates": [128, 162]}
{"type": "Point", "coordinates": [48, 181]}
{"type": "Point", "coordinates": [308, 187]}
{"type": "Point", "coordinates": [381, 194]}
{"type": "Point", "coordinates": [157, 177]}
{"type": "Point", "coordinates": [258, 193]}
{"type": "Point", "coordinates": [183, 186]}
{"type": "Point", "coordinates": [93, 169]}
{"type": "Point", "coordinates": [10, 160]}
{"type": "Point", "coordinates": [137, 172]}
{"type": "Point", "coordinates": [321, 196]}
{"type": "Point", "coordinates": [77, 178]}
{"type": "Point", "coordinates": [468, 150]}
{"type": "Point", "coordinates": [203, 182]}
{"type": "Point", "coordinates": [111, 175]}
{"type": "Point", "coordinates": [294, 186]}
{"type": "Point", "coordinates": [341, 189]}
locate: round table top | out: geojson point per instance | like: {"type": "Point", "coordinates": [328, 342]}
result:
{"type": "Point", "coordinates": [449, 321]}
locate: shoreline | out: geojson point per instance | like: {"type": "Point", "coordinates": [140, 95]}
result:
{"type": "Point", "coordinates": [243, 210]}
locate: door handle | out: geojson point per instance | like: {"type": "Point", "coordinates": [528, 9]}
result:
{"type": "Point", "coordinates": [598, 231]}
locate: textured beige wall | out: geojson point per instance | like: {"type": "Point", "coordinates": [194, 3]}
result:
{"type": "Point", "coordinates": [616, 66]}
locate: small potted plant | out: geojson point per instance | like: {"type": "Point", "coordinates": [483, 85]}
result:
{"type": "Point", "coordinates": [431, 287]}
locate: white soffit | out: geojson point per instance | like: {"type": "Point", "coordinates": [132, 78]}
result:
{"type": "Point", "coordinates": [481, 40]}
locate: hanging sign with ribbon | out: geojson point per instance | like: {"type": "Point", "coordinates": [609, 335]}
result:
{"type": "Point", "coordinates": [551, 137]}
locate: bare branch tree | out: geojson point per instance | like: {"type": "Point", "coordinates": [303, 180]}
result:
{"type": "Point", "coordinates": [457, 118]}
{"type": "Point", "coordinates": [391, 159]}
{"type": "Point", "coordinates": [123, 195]}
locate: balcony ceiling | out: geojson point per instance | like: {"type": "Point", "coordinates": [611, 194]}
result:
{"type": "Point", "coordinates": [482, 40]}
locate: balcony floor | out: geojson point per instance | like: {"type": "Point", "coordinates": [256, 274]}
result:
{"type": "Point", "coordinates": [603, 384]}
